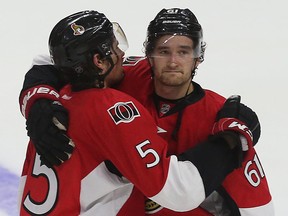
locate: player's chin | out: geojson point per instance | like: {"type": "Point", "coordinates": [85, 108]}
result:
{"type": "Point", "coordinates": [172, 77]}
{"type": "Point", "coordinates": [172, 72]}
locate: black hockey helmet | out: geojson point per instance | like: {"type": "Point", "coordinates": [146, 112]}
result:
{"type": "Point", "coordinates": [74, 41]}
{"type": "Point", "coordinates": [175, 21]}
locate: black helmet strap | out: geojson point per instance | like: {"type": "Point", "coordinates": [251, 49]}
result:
{"type": "Point", "coordinates": [100, 78]}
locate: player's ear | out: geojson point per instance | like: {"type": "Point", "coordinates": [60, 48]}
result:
{"type": "Point", "coordinates": [100, 62]}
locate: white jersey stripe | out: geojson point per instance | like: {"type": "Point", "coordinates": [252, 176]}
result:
{"type": "Point", "coordinates": [109, 195]}
{"type": "Point", "coordinates": [181, 194]}
{"type": "Point", "coordinates": [265, 210]}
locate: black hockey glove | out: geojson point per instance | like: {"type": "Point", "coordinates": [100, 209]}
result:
{"type": "Point", "coordinates": [234, 109]}
{"type": "Point", "coordinates": [46, 126]}
{"type": "Point", "coordinates": [235, 118]}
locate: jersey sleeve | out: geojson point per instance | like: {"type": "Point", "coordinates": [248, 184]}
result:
{"type": "Point", "coordinates": [42, 72]}
{"type": "Point", "coordinates": [41, 81]}
{"type": "Point", "coordinates": [252, 194]}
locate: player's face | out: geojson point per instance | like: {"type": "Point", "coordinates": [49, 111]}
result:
{"type": "Point", "coordinates": [173, 60]}
{"type": "Point", "coordinates": [116, 75]}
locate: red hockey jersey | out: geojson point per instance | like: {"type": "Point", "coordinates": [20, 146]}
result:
{"type": "Point", "coordinates": [187, 122]}
{"type": "Point", "coordinates": [109, 125]}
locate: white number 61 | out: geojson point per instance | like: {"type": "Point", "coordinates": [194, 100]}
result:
{"type": "Point", "coordinates": [249, 173]}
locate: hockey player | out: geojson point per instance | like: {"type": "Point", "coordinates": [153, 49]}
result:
{"type": "Point", "coordinates": [108, 125]}
{"type": "Point", "coordinates": [185, 112]}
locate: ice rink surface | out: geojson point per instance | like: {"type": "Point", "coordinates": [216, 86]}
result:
{"type": "Point", "coordinates": [246, 54]}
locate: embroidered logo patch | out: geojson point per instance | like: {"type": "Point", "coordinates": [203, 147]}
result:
{"type": "Point", "coordinates": [77, 29]}
{"type": "Point", "coordinates": [164, 108]}
{"type": "Point", "coordinates": [152, 207]}
{"type": "Point", "coordinates": [132, 60]}
{"type": "Point", "coordinates": [123, 112]}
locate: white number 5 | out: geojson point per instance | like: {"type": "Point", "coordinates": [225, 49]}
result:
{"type": "Point", "coordinates": [36, 207]}
{"type": "Point", "coordinates": [143, 154]}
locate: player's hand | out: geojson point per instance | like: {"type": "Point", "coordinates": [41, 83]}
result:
{"type": "Point", "coordinates": [234, 109]}
{"type": "Point", "coordinates": [233, 119]}
{"type": "Point", "coordinates": [46, 126]}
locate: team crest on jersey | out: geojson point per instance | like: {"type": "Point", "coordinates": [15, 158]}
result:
{"type": "Point", "coordinates": [123, 112]}
{"type": "Point", "coordinates": [152, 207]}
{"type": "Point", "coordinates": [132, 60]}
{"type": "Point", "coordinates": [164, 108]}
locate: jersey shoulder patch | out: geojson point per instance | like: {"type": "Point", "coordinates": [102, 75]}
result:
{"type": "Point", "coordinates": [123, 112]}
{"type": "Point", "coordinates": [132, 60]}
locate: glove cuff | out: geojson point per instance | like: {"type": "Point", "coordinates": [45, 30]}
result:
{"type": "Point", "coordinates": [29, 96]}
{"type": "Point", "coordinates": [235, 125]}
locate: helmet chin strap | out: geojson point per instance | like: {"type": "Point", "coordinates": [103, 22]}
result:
{"type": "Point", "coordinates": [100, 81]}
{"type": "Point", "coordinates": [193, 73]}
